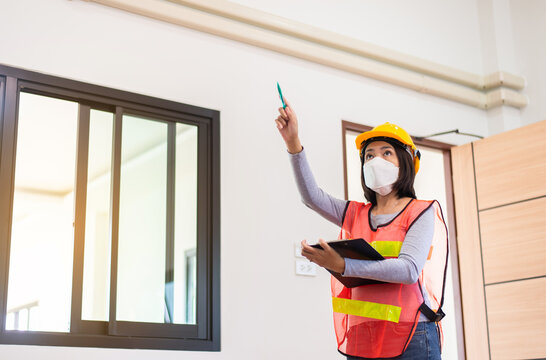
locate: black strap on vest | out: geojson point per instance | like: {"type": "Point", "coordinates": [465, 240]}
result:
{"type": "Point", "coordinates": [431, 315]}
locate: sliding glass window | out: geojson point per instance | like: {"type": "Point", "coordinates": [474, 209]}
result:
{"type": "Point", "coordinates": [110, 230]}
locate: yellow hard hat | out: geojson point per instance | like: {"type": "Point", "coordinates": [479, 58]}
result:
{"type": "Point", "coordinates": [388, 130]}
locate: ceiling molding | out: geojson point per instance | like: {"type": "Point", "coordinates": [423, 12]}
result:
{"type": "Point", "coordinates": [257, 28]}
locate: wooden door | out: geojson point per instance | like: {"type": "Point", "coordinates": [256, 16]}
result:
{"type": "Point", "coordinates": [500, 204]}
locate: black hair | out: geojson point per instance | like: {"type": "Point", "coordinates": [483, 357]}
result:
{"type": "Point", "coordinates": [406, 175]}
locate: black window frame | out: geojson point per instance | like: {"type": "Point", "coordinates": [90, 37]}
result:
{"type": "Point", "coordinates": [202, 336]}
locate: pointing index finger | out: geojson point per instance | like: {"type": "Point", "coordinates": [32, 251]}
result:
{"type": "Point", "coordinates": [288, 105]}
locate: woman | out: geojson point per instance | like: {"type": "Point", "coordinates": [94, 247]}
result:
{"type": "Point", "coordinates": [399, 317]}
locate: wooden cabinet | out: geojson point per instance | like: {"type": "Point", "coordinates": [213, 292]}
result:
{"type": "Point", "coordinates": [500, 204]}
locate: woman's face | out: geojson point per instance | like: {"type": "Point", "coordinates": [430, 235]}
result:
{"type": "Point", "coordinates": [381, 149]}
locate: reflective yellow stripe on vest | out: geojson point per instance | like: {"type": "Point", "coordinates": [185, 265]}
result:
{"type": "Point", "coordinates": [387, 248]}
{"type": "Point", "coordinates": [367, 309]}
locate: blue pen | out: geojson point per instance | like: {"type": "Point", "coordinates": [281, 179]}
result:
{"type": "Point", "coordinates": [280, 94]}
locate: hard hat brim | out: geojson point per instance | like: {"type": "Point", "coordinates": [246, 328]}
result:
{"type": "Point", "coordinates": [362, 138]}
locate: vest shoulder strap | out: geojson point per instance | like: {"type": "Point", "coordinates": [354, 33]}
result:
{"type": "Point", "coordinates": [352, 211]}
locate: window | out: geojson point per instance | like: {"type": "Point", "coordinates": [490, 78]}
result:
{"type": "Point", "coordinates": [109, 229]}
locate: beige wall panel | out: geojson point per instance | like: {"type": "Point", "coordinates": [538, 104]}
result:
{"type": "Point", "coordinates": [517, 319]}
{"type": "Point", "coordinates": [513, 241]}
{"type": "Point", "coordinates": [510, 166]}
{"type": "Point", "coordinates": [470, 263]}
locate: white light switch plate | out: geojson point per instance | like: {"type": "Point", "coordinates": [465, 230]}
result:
{"type": "Point", "coordinates": [297, 249]}
{"type": "Point", "coordinates": [305, 267]}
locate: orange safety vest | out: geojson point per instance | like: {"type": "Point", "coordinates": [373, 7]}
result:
{"type": "Point", "coordinates": [378, 320]}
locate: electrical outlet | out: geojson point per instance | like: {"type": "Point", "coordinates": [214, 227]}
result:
{"type": "Point", "coordinates": [305, 267]}
{"type": "Point", "coordinates": [297, 249]}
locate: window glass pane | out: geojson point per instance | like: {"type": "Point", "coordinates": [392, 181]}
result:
{"type": "Point", "coordinates": [34, 315]}
{"type": "Point", "coordinates": [10, 321]}
{"type": "Point", "coordinates": [96, 272]}
{"type": "Point", "coordinates": [41, 253]}
{"type": "Point", "coordinates": [142, 221]}
{"type": "Point", "coordinates": [23, 320]}
{"type": "Point", "coordinates": [185, 232]}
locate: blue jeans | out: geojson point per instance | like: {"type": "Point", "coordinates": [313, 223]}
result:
{"type": "Point", "coordinates": [425, 344]}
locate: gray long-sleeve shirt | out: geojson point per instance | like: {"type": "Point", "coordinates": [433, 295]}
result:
{"type": "Point", "coordinates": [414, 251]}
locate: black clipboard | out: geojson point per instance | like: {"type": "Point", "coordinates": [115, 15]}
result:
{"type": "Point", "coordinates": [354, 249]}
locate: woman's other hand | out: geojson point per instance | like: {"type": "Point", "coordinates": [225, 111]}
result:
{"type": "Point", "coordinates": [287, 124]}
{"type": "Point", "coordinates": [328, 258]}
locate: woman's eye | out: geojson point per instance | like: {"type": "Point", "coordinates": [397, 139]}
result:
{"type": "Point", "coordinates": [388, 153]}
{"type": "Point", "coordinates": [369, 156]}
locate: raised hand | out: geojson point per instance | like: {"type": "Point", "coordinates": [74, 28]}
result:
{"type": "Point", "coordinates": [287, 124]}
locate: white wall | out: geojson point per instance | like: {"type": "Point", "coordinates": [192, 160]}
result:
{"type": "Point", "coordinates": [529, 29]}
{"type": "Point", "coordinates": [513, 34]}
{"type": "Point", "coordinates": [267, 311]}
{"type": "Point", "coordinates": [431, 30]}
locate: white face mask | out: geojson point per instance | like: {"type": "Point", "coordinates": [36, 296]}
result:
{"type": "Point", "coordinates": [380, 175]}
